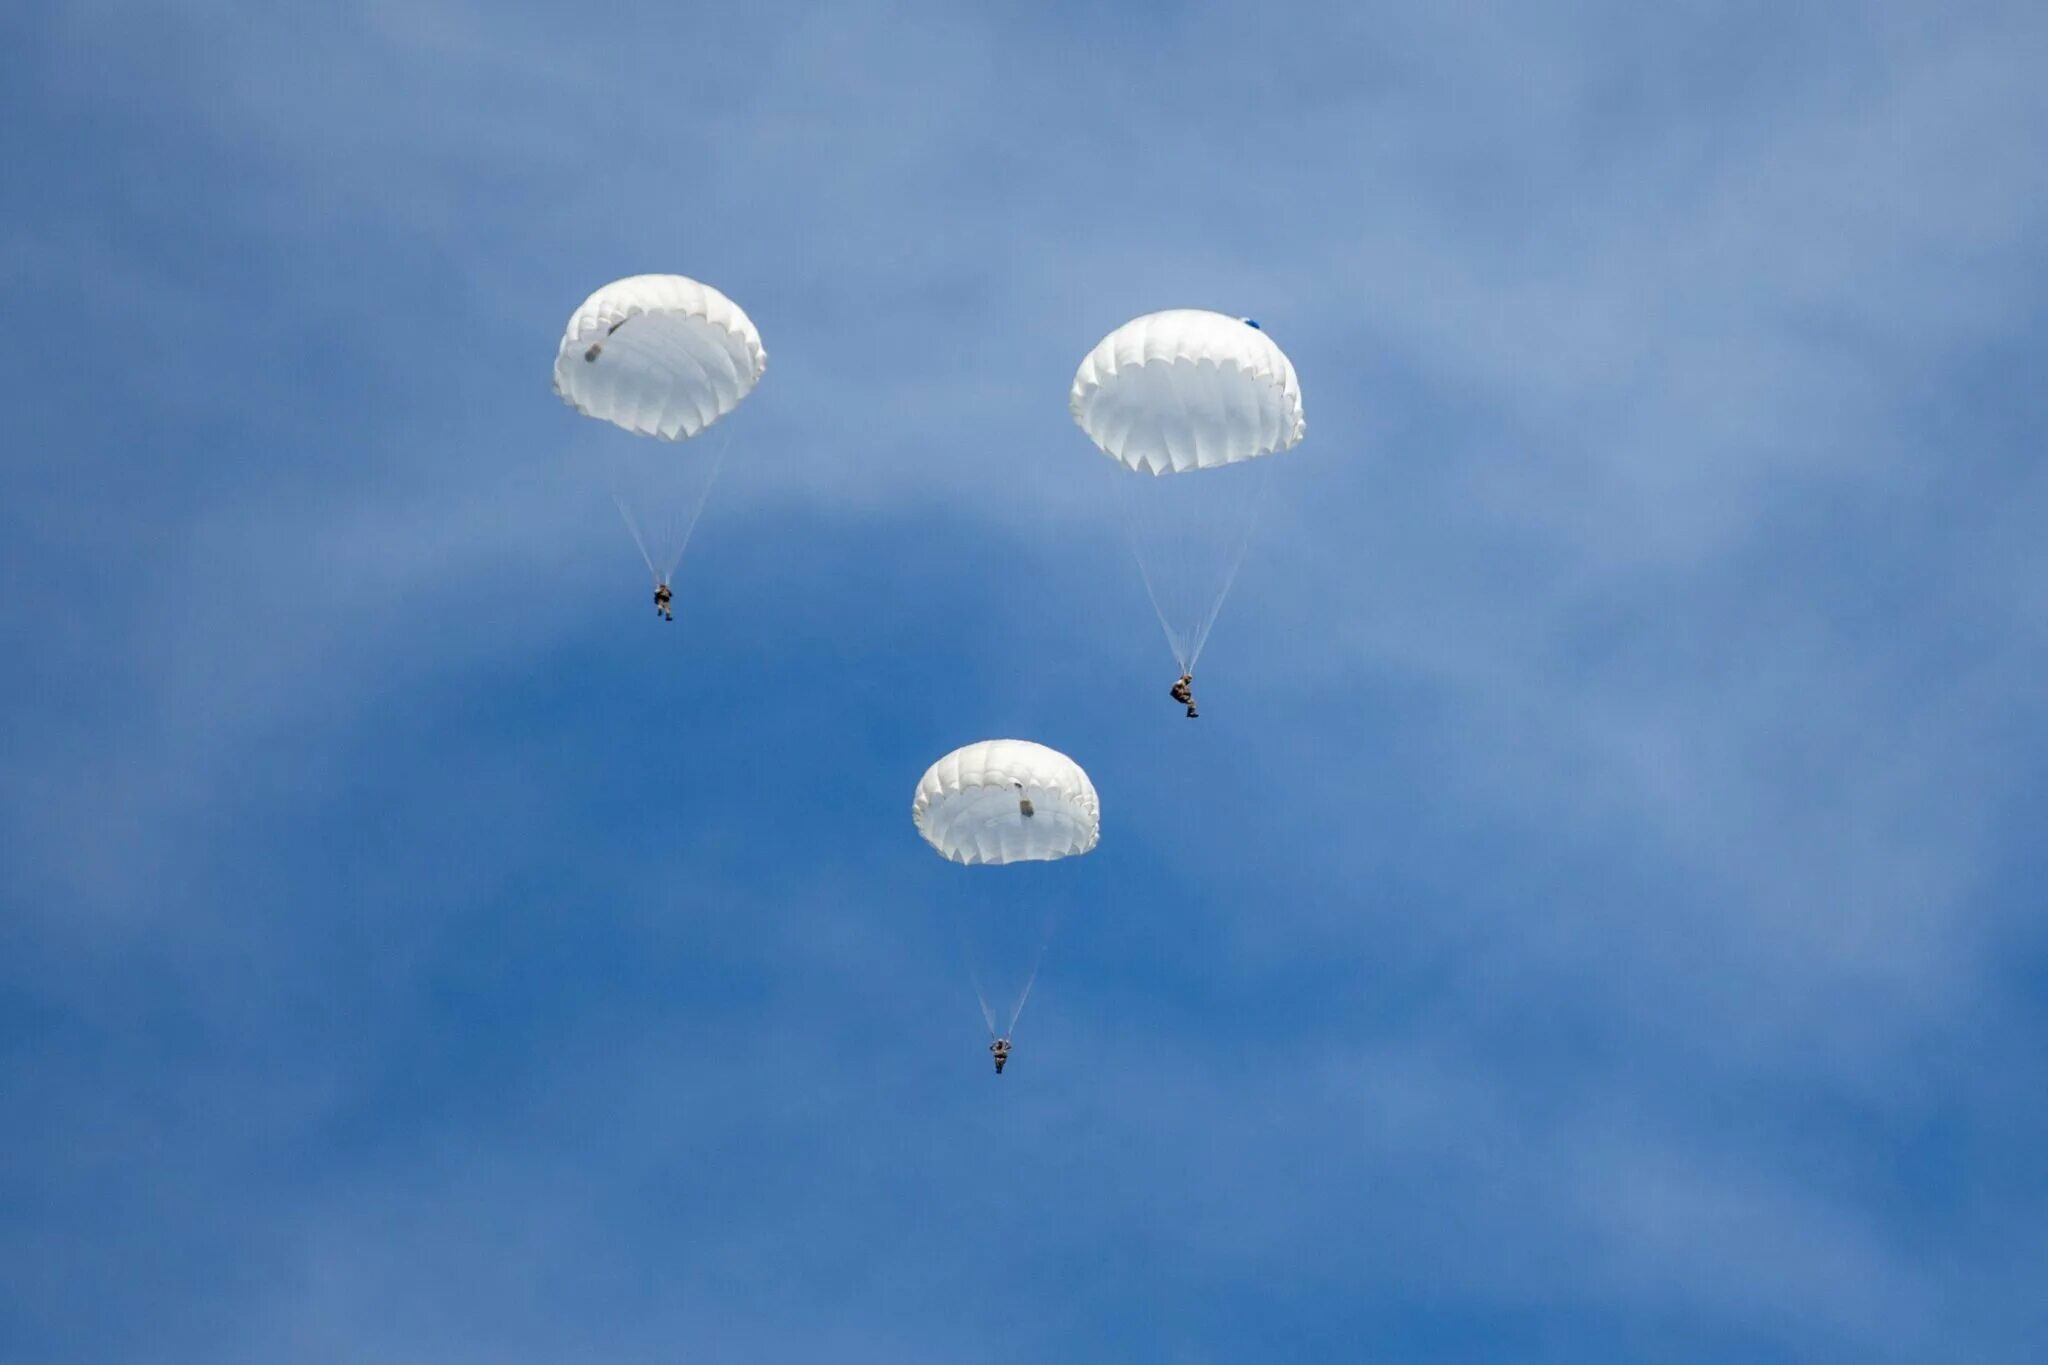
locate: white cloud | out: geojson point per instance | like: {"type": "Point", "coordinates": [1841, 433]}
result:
{"type": "Point", "coordinates": [1621, 360]}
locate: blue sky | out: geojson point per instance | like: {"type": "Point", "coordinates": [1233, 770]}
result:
{"type": "Point", "coordinates": [1596, 918]}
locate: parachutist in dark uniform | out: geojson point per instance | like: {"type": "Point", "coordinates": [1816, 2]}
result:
{"type": "Point", "coordinates": [661, 601]}
{"type": "Point", "coordinates": [1000, 1048]}
{"type": "Point", "coordinates": [1184, 693]}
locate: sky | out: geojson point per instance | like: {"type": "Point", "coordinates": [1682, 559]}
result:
{"type": "Point", "coordinates": [1595, 918]}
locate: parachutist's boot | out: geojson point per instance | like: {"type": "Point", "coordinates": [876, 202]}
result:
{"type": "Point", "coordinates": [1192, 713]}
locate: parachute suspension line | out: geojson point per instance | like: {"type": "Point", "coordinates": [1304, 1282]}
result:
{"type": "Point", "coordinates": [1179, 561]}
{"type": "Point", "coordinates": [1173, 642]}
{"type": "Point", "coordinates": [988, 1013]}
{"type": "Point", "coordinates": [633, 529]}
{"type": "Point", "coordinates": [960, 944]}
{"type": "Point", "coordinates": [1189, 556]}
{"type": "Point", "coordinates": [613, 483]}
{"type": "Point", "coordinates": [703, 496]}
{"type": "Point", "coordinates": [1024, 996]}
{"type": "Point", "coordinates": [1052, 924]}
{"type": "Point", "coordinates": [988, 1016]}
{"type": "Point", "coordinates": [1244, 544]}
{"type": "Point", "coordinates": [1029, 982]}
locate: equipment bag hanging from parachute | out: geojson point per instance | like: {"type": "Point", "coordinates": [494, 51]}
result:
{"type": "Point", "coordinates": [661, 356]}
{"type": "Point", "coordinates": [1007, 803]}
{"type": "Point", "coordinates": [1183, 400]}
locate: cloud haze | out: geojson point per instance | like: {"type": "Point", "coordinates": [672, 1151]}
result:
{"type": "Point", "coordinates": [1595, 918]}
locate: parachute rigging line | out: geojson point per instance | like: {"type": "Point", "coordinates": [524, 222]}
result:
{"type": "Point", "coordinates": [988, 1016]}
{"type": "Point", "coordinates": [633, 529]}
{"type": "Point", "coordinates": [1244, 546]}
{"type": "Point", "coordinates": [703, 496]}
{"type": "Point", "coordinates": [1052, 924]}
{"type": "Point", "coordinates": [1144, 572]}
{"type": "Point", "coordinates": [1029, 982]}
{"type": "Point", "coordinates": [688, 523]}
{"type": "Point", "coordinates": [1187, 646]}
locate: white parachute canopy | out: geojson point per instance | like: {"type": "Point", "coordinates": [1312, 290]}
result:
{"type": "Point", "coordinates": [1187, 389]}
{"type": "Point", "coordinates": [661, 356]}
{"type": "Point", "coordinates": [1008, 802]}
{"type": "Point", "coordinates": [1188, 392]}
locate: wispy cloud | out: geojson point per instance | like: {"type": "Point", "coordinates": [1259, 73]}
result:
{"type": "Point", "coordinates": [1617, 744]}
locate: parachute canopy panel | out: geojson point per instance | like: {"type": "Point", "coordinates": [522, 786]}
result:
{"type": "Point", "coordinates": [1187, 389]}
{"type": "Point", "coordinates": [659, 355]}
{"type": "Point", "coordinates": [1007, 801]}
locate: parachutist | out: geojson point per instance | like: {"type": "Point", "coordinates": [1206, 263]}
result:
{"type": "Point", "coordinates": [1184, 693]}
{"type": "Point", "coordinates": [695, 358]}
{"type": "Point", "coordinates": [1186, 393]}
{"type": "Point", "coordinates": [967, 808]}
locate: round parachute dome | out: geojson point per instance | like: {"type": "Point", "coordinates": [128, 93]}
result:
{"type": "Point", "coordinates": [659, 355]}
{"type": "Point", "coordinates": [1007, 801]}
{"type": "Point", "coordinates": [1187, 389]}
